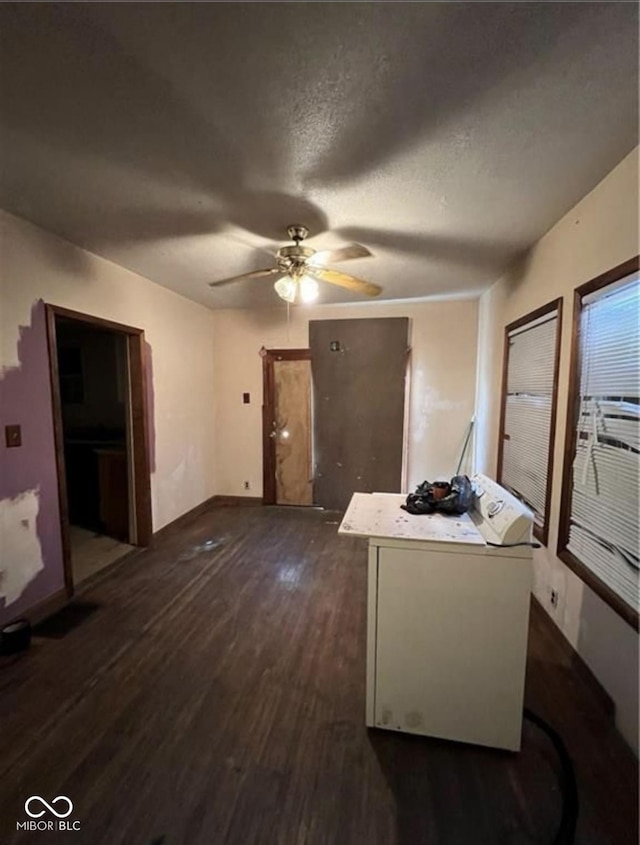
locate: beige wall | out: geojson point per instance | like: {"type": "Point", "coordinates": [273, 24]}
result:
{"type": "Point", "coordinates": [36, 265]}
{"type": "Point", "coordinates": [443, 342]}
{"type": "Point", "coordinates": [598, 234]}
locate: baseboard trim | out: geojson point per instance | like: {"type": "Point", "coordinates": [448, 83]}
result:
{"type": "Point", "coordinates": [183, 519]}
{"type": "Point", "coordinates": [212, 502]}
{"type": "Point", "coordinates": [47, 607]}
{"type": "Point", "coordinates": [578, 664]}
{"type": "Point", "coordinates": [225, 501]}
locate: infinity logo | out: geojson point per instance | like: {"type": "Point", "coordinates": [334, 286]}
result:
{"type": "Point", "coordinates": [58, 798]}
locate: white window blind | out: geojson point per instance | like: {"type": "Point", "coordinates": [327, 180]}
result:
{"type": "Point", "coordinates": [603, 528]}
{"type": "Point", "coordinates": [528, 410]}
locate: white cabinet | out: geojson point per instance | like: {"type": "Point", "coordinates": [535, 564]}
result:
{"type": "Point", "coordinates": [447, 640]}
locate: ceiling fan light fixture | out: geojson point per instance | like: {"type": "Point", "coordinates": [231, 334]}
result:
{"type": "Point", "coordinates": [309, 289]}
{"type": "Point", "coordinates": [286, 289]}
{"type": "Point", "coordinates": [302, 289]}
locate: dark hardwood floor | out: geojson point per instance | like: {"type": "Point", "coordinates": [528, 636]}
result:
{"type": "Point", "coordinates": [209, 694]}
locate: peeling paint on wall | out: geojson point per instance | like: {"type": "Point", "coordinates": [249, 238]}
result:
{"type": "Point", "coordinates": [25, 399]}
{"type": "Point", "coordinates": [21, 558]}
{"type": "Point", "coordinates": [429, 403]}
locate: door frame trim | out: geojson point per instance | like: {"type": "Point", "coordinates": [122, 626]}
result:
{"type": "Point", "coordinates": [136, 355]}
{"type": "Point", "coordinates": [269, 356]}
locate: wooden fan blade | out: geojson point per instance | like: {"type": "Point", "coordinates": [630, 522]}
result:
{"type": "Point", "coordinates": [335, 277]}
{"type": "Point", "coordinates": [255, 274]}
{"type": "Point", "coordinates": [343, 253]}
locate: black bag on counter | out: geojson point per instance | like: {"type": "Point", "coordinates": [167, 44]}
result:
{"type": "Point", "coordinates": [452, 497]}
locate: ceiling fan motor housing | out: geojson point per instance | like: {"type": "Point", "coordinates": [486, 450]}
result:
{"type": "Point", "coordinates": [292, 259]}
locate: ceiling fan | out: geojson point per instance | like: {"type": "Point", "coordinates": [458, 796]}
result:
{"type": "Point", "coordinates": [299, 268]}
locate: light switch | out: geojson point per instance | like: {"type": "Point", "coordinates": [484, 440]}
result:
{"type": "Point", "coordinates": [246, 398]}
{"type": "Point", "coordinates": [12, 436]}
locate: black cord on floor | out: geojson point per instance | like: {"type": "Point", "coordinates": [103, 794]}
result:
{"type": "Point", "coordinates": [568, 786]}
{"type": "Point", "coordinates": [513, 545]}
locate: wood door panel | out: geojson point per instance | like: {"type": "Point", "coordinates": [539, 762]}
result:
{"type": "Point", "coordinates": [292, 383]}
{"type": "Point", "coordinates": [359, 369]}
{"type": "Point", "coordinates": [282, 462]}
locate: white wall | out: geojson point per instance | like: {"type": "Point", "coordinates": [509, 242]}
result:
{"type": "Point", "coordinates": [443, 341]}
{"type": "Point", "coordinates": [36, 265]}
{"type": "Point", "coordinates": [598, 234]}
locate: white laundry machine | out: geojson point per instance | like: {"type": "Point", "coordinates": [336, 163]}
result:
{"type": "Point", "coordinates": [448, 615]}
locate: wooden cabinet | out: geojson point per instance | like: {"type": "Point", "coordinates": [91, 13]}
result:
{"type": "Point", "coordinates": [114, 488]}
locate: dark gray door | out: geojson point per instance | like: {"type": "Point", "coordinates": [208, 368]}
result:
{"type": "Point", "coordinates": [359, 371]}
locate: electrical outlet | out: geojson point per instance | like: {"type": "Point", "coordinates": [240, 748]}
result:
{"type": "Point", "coordinates": [554, 598]}
{"type": "Point", "coordinates": [246, 485]}
{"type": "Point", "coordinates": [12, 436]}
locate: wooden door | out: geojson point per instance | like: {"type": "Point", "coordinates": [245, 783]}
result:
{"type": "Point", "coordinates": [359, 374]}
{"type": "Point", "coordinates": [287, 427]}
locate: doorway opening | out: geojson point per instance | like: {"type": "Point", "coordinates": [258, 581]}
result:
{"type": "Point", "coordinates": [287, 431]}
{"type": "Point", "coordinates": [99, 412]}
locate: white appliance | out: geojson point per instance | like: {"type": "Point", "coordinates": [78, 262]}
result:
{"type": "Point", "coordinates": [448, 615]}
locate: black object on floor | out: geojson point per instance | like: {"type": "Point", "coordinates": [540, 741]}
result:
{"type": "Point", "coordinates": [15, 637]}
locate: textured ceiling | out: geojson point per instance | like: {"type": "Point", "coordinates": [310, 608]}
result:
{"type": "Point", "coordinates": [180, 139]}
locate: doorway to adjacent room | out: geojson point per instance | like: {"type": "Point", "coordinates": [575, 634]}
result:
{"type": "Point", "coordinates": [99, 411]}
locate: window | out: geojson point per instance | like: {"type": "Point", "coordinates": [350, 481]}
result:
{"type": "Point", "coordinates": [527, 424]}
{"type": "Point", "coordinates": [599, 517]}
